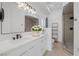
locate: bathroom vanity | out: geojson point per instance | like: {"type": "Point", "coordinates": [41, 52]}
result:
{"type": "Point", "coordinates": [27, 46]}
{"type": "Point", "coordinates": [19, 21]}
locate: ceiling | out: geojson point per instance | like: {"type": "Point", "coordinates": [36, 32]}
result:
{"type": "Point", "coordinates": [47, 7]}
{"type": "Point", "coordinates": [68, 8]}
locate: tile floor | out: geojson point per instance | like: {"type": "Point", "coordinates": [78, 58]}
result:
{"type": "Point", "coordinates": [58, 50]}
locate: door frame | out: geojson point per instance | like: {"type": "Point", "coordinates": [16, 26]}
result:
{"type": "Point", "coordinates": [64, 28]}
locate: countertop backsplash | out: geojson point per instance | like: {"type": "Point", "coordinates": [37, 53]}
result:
{"type": "Point", "coordinates": [10, 36]}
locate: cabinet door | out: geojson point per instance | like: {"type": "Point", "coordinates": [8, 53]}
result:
{"type": "Point", "coordinates": [36, 49]}
{"type": "Point", "coordinates": [43, 46]}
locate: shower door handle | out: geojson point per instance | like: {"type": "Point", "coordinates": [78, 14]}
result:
{"type": "Point", "coordinates": [71, 28]}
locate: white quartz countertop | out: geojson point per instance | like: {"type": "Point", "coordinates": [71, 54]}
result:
{"type": "Point", "coordinates": [7, 45]}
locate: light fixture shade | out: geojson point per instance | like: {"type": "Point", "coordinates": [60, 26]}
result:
{"type": "Point", "coordinates": [21, 5]}
{"type": "Point", "coordinates": [27, 7]}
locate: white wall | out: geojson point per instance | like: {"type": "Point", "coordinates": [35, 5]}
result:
{"type": "Point", "coordinates": [56, 17]}
{"type": "Point", "coordinates": [13, 18]}
{"type": "Point", "coordinates": [76, 28]}
{"type": "Point", "coordinates": [42, 20]}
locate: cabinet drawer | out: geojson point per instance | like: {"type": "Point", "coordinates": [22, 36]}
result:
{"type": "Point", "coordinates": [35, 51]}
{"type": "Point", "coordinates": [18, 50]}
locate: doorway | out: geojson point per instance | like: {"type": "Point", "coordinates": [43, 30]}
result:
{"type": "Point", "coordinates": [68, 24]}
{"type": "Point", "coordinates": [29, 22]}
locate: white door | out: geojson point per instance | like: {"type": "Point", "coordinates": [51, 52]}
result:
{"type": "Point", "coordinates": [76, 28]}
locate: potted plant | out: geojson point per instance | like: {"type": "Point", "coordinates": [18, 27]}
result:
{"type": "Point", "coordinates": [37, 30]}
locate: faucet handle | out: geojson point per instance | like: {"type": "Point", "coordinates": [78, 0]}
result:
{"type": "Point", "coordinates": [20, 36]}
{"type": "Point", "coordinates": [13, 38]}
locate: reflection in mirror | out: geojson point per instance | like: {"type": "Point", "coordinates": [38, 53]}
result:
{"type": "Point", "coordinates": [29, 22]}
{"type": "Point", "coordinates": [16, 20]}
{"type": "Point", "coordinates": [13, 19]}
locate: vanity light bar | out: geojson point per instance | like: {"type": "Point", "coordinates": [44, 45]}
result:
{"type": "Point", "coordinates": [27, 7]}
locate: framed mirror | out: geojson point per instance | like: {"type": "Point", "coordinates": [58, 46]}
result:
{"type": "Point", "coordinates": [15, 19]}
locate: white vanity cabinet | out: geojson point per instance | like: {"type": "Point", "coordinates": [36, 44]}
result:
{"type": "Point", "coordinates": [43, 45]}
{"type": "Point", "coordinates": [18, 51]}
{"type": "Point", "coordinates": [36, 47]}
